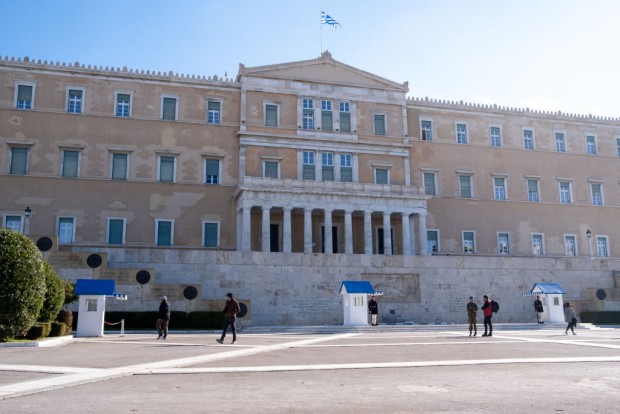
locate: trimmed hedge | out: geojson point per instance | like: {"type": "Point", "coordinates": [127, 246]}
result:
{"type": "Point", "coordinates": [39, 330]}
{"type": "Point", "coordinates": [609, 317]}
{"type": "Point", "coordinates": [66, 317]}
{"type": "Point", "coordinates": [146, 320]}
{"type": "Point", "coordinates": [58, 329]}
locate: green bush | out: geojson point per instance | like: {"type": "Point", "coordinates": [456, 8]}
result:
{"type": "Point", "coordinates": [609, 317]}
{"type": "Point", "coordinates": [57, 329]}
{"type": "Point", "coordinates": [66, 317]}
{"type": "Point", "coordinates": [22, 278]}
{"type": "Point", "coordinates": [39, 330]}
{"type": "Point", "coordinates": [54, 296]}
{"type": "Point", "coordinates": [70, 295]}
{"type": "Point", "coordinates": [204, 320]}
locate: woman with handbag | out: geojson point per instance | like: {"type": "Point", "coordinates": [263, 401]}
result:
{"type": "Point", "coordinates": [569, 315]}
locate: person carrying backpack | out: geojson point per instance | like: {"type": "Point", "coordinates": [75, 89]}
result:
{"type": "Point", "coordinates": [487, 311]}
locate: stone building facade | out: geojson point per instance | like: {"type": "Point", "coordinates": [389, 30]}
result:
{"type": "Point", "coordinates": [312, 165]}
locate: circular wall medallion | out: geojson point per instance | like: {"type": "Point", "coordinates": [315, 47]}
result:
{"type": "Point", "coordinates": [243, 311]}
{"type": "Point", "coordinates": [143, 277]}
{"type": "Point", "coordinates": [601, 294]}
{"type": "Point", "coordinates": [44, 244]}
{"type": "Point", "coordinates": [94, 261]}
{"type": "Point", "coordinates": [190, 293]}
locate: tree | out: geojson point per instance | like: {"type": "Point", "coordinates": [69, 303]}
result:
{"type": "Point", "coordinates": [54, 296]}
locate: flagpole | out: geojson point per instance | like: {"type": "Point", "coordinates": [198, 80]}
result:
{"type": "Point", "coordinates": [321, 37]}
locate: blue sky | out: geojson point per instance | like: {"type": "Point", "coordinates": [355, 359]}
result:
{"type": "Point", "coordinates": [542, 54]}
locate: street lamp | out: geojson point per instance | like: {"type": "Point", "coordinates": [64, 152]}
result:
{"type": "Point", "coordinates": [28, 213]}
{"type": "Point", "coordinates": [589, 236]}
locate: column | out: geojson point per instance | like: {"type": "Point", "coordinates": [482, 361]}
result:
{"type": "Point", "coordinates": [348, 232]}
{"type": "Point", "coordinates": [406, 235]}
{"type": "Point", "coordinates": [387, 232]}
{"type": "Point", "coordinates": [266, 244]}
{"type": "Point", "coordinates": [286, 231]}
{"type": "Point", "coordinates": [422, 234]}
{"type": "Point", "coordinates": [412, 236]}
{"type": "Point", "coordinates": [246, 242]}
{"type": "Point", "coordinates": [239, 229]}
{"type": "Point", "coordinates": [329, 248]}
{"type": "Point", "coordinates": [367, 232]}
{"type": "Point", "coordinates": [307, 230]}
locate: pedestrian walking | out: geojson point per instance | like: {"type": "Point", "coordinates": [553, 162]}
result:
{"type": "Point", "coordinates": [487, 311]}
{"type": "Point", "coordinates": [569, 316]}
{"type": "Point", "coordinates": [538, 309]}
{"type": "Point", "coordinates": [163, 318]}
{"type": "Point", "coordinates": [231, 309]}
{"type": "Point", "coordinates": [373, 309]}
{"type": "Point", "coordinates": [472, 309]}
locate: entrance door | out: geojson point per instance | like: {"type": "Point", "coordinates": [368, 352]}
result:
{"type": "Point", "coordinates": [334, 239]}
{"type": "Point", "coordinates": [274, 237]}
{"type": "Point", "coordinates": [380, 246]}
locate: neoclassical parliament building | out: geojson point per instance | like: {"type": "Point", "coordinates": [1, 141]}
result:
{"type": "Point", "coordinates": [292, 177]}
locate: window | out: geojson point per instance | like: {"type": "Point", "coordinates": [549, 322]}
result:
{"type": "Point", "coordinates": [430, 187]}
{"type": "Point", "coordinates": [618, 146]}
{"type": "Point", "coordinates": [271, 169]}
{"type": "Point", "coordinates": [345, 117]}
{"type": "Point", "coordinates": [14, 223]}
{"type": "Point", "coordinates": [565, 192]}
{"type": "Point", "coordinates": [570, 246]}
{"type": "Point", "coordinates": [426, 130]}
{"type": "Point", "coordinates": [212, 171]}
{"type": "Point", "coordinates": [538, 247]}
{"type": "Point", "coordinates": [496, 137]}
{"type": "Point", "coordinates": [66, 230]}
{"type": "Point", "coordinates": [601, 246]}
{"type": "Point", "coordinates": [18, 162]}
{"type": "Point", "coordinates": [308, 114]}
{"type": "Point", "coordinates": [461, 134]}
{"type": "Point", "coordinates": [560, 145]}
{"type": "Point", "coordinates": [211, 234]}
{"type": "Point", "coordinates": [164, 232]}
{"type": "Point", "coordinates": [120, 164]}
{"type": "Point", "coordinates": [91, 305]}
{"type": "Point", "coordinates": [378, 124]}
{"type": "Point", "coordinates": [432, 241]}
{"type": "Point", "coordinates": [169, 110]}
{"type": "Point", "coordinates": [465, 186]}
{"type": "Point", "coordinates": [346, 168]}
{"type": "Point", "coordinates": [503, 243]}
{"type": "Point", "coordinates": [532, 190]}
{"type": "Point", "coordinates": [327, 163]}
{"type": "Point", "coordinates": [70, 163]}
{"type": "Point", "coordinates": [528, 139]}
{"type": "Point", "coordinates": [214, 112]}
{"type": "Point", "coordinates": [597, 194]}
{"type": "Point", "coordinates": [167, 169]}
{"type": "Point", "coordinates": [24, 95]}
{"type": "Point", "coordinates": [590, 144]}
{"type": "Point", "coordinates": [326, 116]}
{"type": "Point", "coordinates": [468, 242]}
{"type": "Point", "coordinates": [308, 165]}
{"type": "Point", "coordinates": [116, 231]}
{"type": "Point", "coordinates": [382, 176]}
{"type": "Point", "coordinates": [499, 188]}
{"type": "Point", "coordinates": [123, 105]}
{"type": "Point", "coordinates": [75, 100]}
{"type": "Point", "coordinates": [271, 115]}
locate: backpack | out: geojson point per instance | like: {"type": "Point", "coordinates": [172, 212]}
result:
{"type": "Point", "coordinates": [494, 306]}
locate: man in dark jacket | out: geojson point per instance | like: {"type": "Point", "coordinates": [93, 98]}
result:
{"type": "Point", "coordinates": [231, 309]}
{"type": "Point", "coordinates": [164, 318]}
{"type": "Point", "coordinates": [538, 308]}
{"type": "Point", "coordinates": [373, 309]}
{"type": "Point", "coordinates": [487, 311]}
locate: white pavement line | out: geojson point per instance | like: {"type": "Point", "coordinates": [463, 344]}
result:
{"type": "Point", "coordinates": [95, 375]}
{"type": "Point", "coordinates": [47, 369]}
{"type": "Point", "coordinates": [563, 342]}
{"type": "Point", "coordinates": [374, 365]}
{"type": "Point", "coordinates": [473, 341]}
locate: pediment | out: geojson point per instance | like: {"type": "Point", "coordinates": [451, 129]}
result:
{"type": "Point", "coordinates": [324, 70]}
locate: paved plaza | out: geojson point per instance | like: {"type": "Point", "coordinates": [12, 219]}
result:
{"type": "Point", "coordinates": [387, 369]}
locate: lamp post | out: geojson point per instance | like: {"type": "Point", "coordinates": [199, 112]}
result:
{"type": "Point", "coordinates": [589, 236]}
{"type": "Point", "coordinates": [27, 214]}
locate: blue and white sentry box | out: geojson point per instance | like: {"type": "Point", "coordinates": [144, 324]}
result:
{"type": "Point", "coordinates": [551, 295]}
{"type": "Point", "coordinates": [91, 311]}
{"type": "Point", "coordinates": [355, 301]}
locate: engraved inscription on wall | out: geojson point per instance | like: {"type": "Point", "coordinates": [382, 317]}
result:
{"type": "Point", "coordinates": [399, 288]}
{"type": "Point", "coordinates": [458, 305]}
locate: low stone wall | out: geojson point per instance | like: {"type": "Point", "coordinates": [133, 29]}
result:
{"type": "Point", "coordinates": [303, 289]}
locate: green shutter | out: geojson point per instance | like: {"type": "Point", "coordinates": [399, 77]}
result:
{"type": "Point", "coordinates": [164, 233]}
{"type": "Point", "coordinates": [70, 163]}
{"type": "Point", "coordinates": [169, 111]}
{"type": "Point", "coordinates": [211, 235]}
{"type": "Point", "coordinates": [166, 169]}
{"type": "Point", "coordinates": [115, 232]}
{"type": "Point", "coordinates": [119, 166]}
{"type": "Point", "coordinates": [19, 160]}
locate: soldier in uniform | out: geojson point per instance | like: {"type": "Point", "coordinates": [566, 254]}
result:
{"type": "Point", "coordinates": [472, 308]}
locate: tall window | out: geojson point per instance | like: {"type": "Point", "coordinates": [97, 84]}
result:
{"type": "Point", "coordinates": [381, 176]}
{"type": "Point", "coordinates": [345, 117]}
{"type": "Point", "coordinates": [532, 190]}
{"type": "Point", "coordinates": [271, 115]}
{"type": "Point", "coordinates": [538, 248]}
{"type": "Point", "coordinates": [465, 186]}
{"type": "Point", "coordinates": [499, 188]}
{"type": "Point", "coordinates": [468, 242]}
{"type": "Point", "coordinates": [123, 105]}
{"type": "Point", "coordinates": [66, 230]}
{"type": "Point", "coordinates": [308, 115]}
{"type": "Point", "coordinates": [346, 168]}
{"type": "Point", "coordinates": [429, 183]}
{"type": "Point", "coordinates": [601, 246]}
{"type": "Point", "coordinates": [120, 163]}
{"type": "Point", "coordinates": [327, 117]}
{"type": "Point", "coordinates": [327, 164]}
{"type": "Point", "coordinates": [461, 134]}
{"type": "Point", "coordinates": [116, 231]}
{"type": "Point", "coordinates": [214, 112]}
{"type": "Point", "coordinates": [163, 232]}
{"type": "Point", "coordinates": [166, 169]}
{"type": "Point", "coordinates": [570, 246]}
{"type": "Point", "coordinates": [528, 139]}
{"type": "Point", "coordinates": [560, 145]}
{"type": "Point", "coordinates": [70, 163]}
{"type": "Point", "coordinates": [565, 196]}
{"type": "Point", "coordinates": [212, 171]}
{"type": "Point", "coordinates": [74, 101]}
{"type": "Point", "coordinates": [432, 241]}
{"type": "Point", "coordinates": [618, 147]}
{"type": "Point", "coordinates": [503, 243]}
{"type": "Point", "coordinates": [597, 194]}
{"type": "Point", "coordinates": [211, 234]}
{"type": "Point", "coordinates": [24, 97]}
{"type": "Point", "coordinates": [378, 124]}
{"type": "Point", "coordinates": [169, 108]}
{"type": "Point", "coordinates": [590, 144]}
{"type": "Point", "coordinates": [14, 223]}
{"type": "Point", "coordinates": [308, 165]}
{"type": "Point", "coordinates": [271, 169]}
{"type": "Point", "coordinates": [426, 130]}
{"type": "Point", "coordinates": [496, 137]}
{"type": "Point", "coordinates": [19, 161]}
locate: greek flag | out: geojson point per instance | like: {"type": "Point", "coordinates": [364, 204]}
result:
{"type": "Point", "coordinates": [327, 19]}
